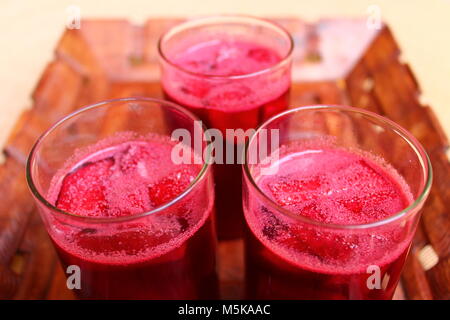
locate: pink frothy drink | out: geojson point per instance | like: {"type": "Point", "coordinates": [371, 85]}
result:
{"type": "Point", "coordinates": [331, 220]}
{"type": "Point", "coordinates": [234, 73]}
{"type": "Point", "coordinates": [137, 224]}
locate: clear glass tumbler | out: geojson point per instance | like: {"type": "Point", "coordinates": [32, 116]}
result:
{"type": "Point", "coordinates": [332, 206]}
{"type": "Point", "coordinates": [125, 218]}
{"type": "Point", "coordinates": [233, 72]}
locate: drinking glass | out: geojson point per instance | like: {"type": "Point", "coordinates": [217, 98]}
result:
{"type": "Point", "coordinates": [292, 255]}
{"type": "Point", "coordinates": [241, 79]}
{"type": "Point", "coordinates": [165, 253]}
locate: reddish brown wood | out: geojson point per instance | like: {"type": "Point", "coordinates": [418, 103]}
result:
{"type": "Point", "coordinates": [415, 282]}
{"type": "Point", "coordinates": [16, 207]}
{"type": "Point", "coordinates": [439, 279]}
{"type": "Point", "coordinates": [336, 61]}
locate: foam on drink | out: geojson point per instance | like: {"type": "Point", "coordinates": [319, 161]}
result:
{"type": "Point", "coordinates": [331, 186]}
{"type": "Point", "coordinates": [125, 179]}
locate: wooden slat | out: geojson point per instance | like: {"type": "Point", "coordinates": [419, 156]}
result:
{"type": "Point", "coordinates": [40, 261]}
{"type": "Point", "coordinates": [16, 205]}
{"type": "Point", "coordinates": [415, 281]}
{"type": "Point", "coordinates": [440, 279]}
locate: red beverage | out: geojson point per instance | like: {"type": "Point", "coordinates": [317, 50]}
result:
{"type": "Point", "coordinates": [230, 82]}
{"type": "Point", "coordinates": [168, 254]}
{"type": "Point", "coordinates": [237, 104]}
{"type": "Point", "coordinates": [295, 260]}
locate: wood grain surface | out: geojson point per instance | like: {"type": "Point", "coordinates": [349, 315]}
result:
{"type": "Point", "coordinates": [114, 58]}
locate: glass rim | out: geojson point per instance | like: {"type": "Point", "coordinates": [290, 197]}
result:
{"type": "Point", "coordinates": [193, 22]}
{"type": "Point", "coordinates": [403, 133]}
{"type": "Point", "coordinates": [42, 199]}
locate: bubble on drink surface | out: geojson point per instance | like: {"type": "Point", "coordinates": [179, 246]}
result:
{"type": "Point", "coordinates": [330, 185]}
{"type": "Point", "coordinates": [225, 58]}
{"type": "Point", "coordinates": [83, 190]}
{"type": "Point", "coordinates": [335, 186]}
{"type": "Point", "coordinates": [131, 179]}
{"type": "Point", "coordinates": [125, 179]}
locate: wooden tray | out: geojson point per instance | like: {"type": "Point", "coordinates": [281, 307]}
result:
{"type": "Point", "coordinates": [335, 61]}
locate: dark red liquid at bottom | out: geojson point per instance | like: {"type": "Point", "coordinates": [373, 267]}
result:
{"type": "Point", "coordinates": [185, 272]}
{"type": "Point", "coordinates": [292, 259]}
{"type": "Point", "coordinates": [270, 277]}
{"type": "Point", "coordinates": [228, 177]}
